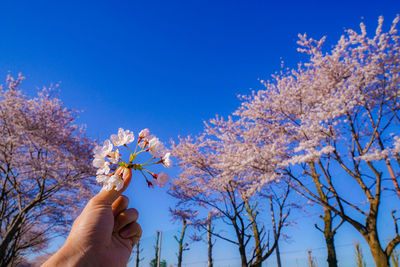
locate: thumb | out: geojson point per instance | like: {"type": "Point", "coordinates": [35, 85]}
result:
{"type": "Point", "coordinates": [108, 197]}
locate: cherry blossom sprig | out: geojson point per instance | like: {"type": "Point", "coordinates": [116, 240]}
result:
{"type": "Point", "coordinates": [110, 166]}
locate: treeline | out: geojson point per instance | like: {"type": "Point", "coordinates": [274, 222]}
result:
{"type": "Point", "coordinates": [326, 131]}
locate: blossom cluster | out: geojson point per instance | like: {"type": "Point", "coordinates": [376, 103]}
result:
{"type": "Point", "coordinates": [312, 113]}
{"type": "Point", "coordinates": [110, 166]}
{"type": "Point", "coordinates": [396, 144]}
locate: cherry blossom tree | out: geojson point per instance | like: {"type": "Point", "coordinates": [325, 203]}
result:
{"type": "Point", "coordinates": [253, 156]}
{"type": "Point", "coordinates": [333, 121]}
{"type": "Point", "coordinates": [45, 166]}
{"type": "Point", "coordinates": [202, 183]}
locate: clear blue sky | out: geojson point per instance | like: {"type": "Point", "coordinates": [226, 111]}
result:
{"type": "Point", "coordinates": [167, 66]}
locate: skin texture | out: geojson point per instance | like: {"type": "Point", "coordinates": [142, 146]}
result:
{"type": "Point", "coordinates": [104, 234]}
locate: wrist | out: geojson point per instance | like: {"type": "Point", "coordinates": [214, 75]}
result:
{"type": "Point", "coordinates": [67, 256]}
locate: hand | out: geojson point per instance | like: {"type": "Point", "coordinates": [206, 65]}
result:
{"type": "Point", "coordinates": [104, 234]}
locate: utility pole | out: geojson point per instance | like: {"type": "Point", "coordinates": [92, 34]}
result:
{"type": "Point", "coordinates": [310, 259]}
{"type": "Point", "coordinates": [159, 238]}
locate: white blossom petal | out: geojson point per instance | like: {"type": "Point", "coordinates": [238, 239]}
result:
{"type": "Point", "coordinates": [155, 146]}
{"type": "Point", "coordinates": [122, 138]}
{"type": "Point", "coordinates": [144, 133]}
{"type": "Point", "coordinates": [167, 162]}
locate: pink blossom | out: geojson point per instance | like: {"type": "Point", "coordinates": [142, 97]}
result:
{"type": "Point", "coordinates": [101, 178]}
{"type": "Point", "coordinates": [102, 151]}
{"type": "Point", "coordinates": [113, 181]}
{"type": "Point", "coordinates": [166, 160]}
{"type": "Point", "coordinates": [45, 155]}
{"type": "Point", "coordinates": [102, 165]}
{"type": "Point", "coordinates": [114, 156]}
{"type": "Point", "coordinates": [162, 179]}
{"type": "Point", "coordinates": [144, 133]}
{"type": "Point", "coordinates": [374, 155]}
{"type": "Point", "coordinates": [155, 146]}
{"type": "Point", "coordinates": [396, 149]}
{"type": "Point", "coordinates": [122, 138]}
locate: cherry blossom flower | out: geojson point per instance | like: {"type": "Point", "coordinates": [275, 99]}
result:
{"type": "Point", "coordinates": [155, 146]}
{"type": "Point", "coordinates": [122, 138]}
{"type": "Point", "coordinates": [374, 155]}
{"type": "Point", "coordinates": [396, 149]}
{"type": "Point", "coordinates": [162, 179]}
{"type": "Point", "coordinates": [102, 165]}
{"type": "Point", "coordinates": [166, 161]}
{"type": "Point", "coordinates": [101, 178]}
{"type": "Point", "coordinates": [110, 165]}
{"type": "Point", "coordinates": [101, 152]}
{"type": "Point", "coordinates": [114, 156]}
{"type": "Point", "coordinates": [113, 181]}
{"type": "Point", "coordinates": [144, 133]}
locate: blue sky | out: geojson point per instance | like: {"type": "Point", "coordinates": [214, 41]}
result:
{"type": "Point", "coordinates": [167, 66]}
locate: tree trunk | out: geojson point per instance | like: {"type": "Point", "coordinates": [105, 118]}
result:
{"type": "Point", "coordinates": [329, 238]}
{"type": "Point", "coordinates": [243, 257]}
{"type": "Point", "coordinates": [14, 228]}
{"type": "Point", "coordinates": [137, 254]}
{"type": "Point", "coordinates": [209, 240]}
{"type": "Point", "coordinates": [328, 233]}
{"type": "Point", "coordinates": [278, 255]}
{"type": "Point", "coordinates": [379, 255]}
{"type": "Point", "coordinates": [276, 237]}
{"type": "Point", "coordinates": [156, 249]}
{"type": "Point", "coordinates": [8, 238]}
{"type": "Point", "coordinates": [180, 241]}
{"type": "Point", "coordinates": [332, 260]}
{"type": "Point", "coordinates": [257, 247]}
{"type": "Point", "coordinates": [241, 246]}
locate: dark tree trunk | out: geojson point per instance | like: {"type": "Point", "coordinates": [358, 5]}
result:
{"type": "Point", "coordinates": [243, 257]}
{"type": "Point", "coordinates": [180, 242]}
{"type": "Point", "coordinates": [209, 240]}
{"type": "Point", "coordinates": [278, 255]}
{"type": "Point", "coordinates": [329, 239]}
{"type": "Point", "coordinates": [328, 232]}
{"type": "Point", "coordinates": [138, 254]}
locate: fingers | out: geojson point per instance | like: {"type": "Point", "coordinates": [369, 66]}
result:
{"type": "Point", "coordinates": [120, 204]}
{"type": "Point", "coordinates": [132, 231]}
{"type": "Point", "coordinates": [125, 218]}
{"type": "Point", "coordinates": [108, 197]}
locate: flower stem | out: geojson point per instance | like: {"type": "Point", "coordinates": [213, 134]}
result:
{"type": "Point", "coordinates": [146, 163]}
{"type": "Point", "coordinates": [128, 148]}
{"type": "Point", "coordinates": [136, 147]}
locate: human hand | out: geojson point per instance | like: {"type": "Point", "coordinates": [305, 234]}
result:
{"type": "Point", "coordinates": [104, 234]}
